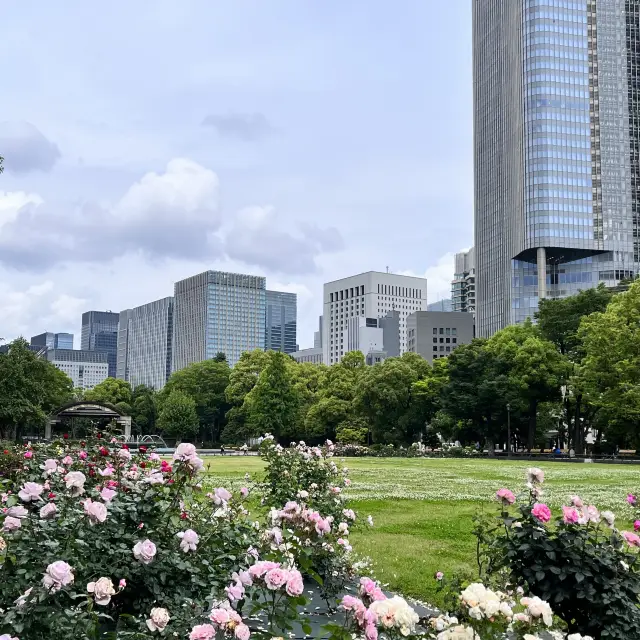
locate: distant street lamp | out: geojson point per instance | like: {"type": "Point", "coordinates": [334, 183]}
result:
{"type": "Point", "coordinates": [508, 430]}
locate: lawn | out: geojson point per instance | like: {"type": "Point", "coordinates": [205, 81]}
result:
{"type": "Point", "coordinates": [422, 508]}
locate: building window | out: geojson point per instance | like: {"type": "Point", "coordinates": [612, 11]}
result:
{"type": "Point", "coordinates": [441, 348]}
{"type": "Point", "coordinates": [448, 331]}
{"type": "Point", "coordinates": [435, 348]}
{"type": "Point", "coordinates": [435, 331]}
{"type": "Point", "coordinates": [441, 331]}
{"type": "Point", "coordinates": [448, 349]}
{"type": "Point", "coordinates": [442, 340]}
{"type": "Point", "coordinates": [454, 332]}
{"type": "Point", "coordinates": [454, 340]}
{"type": "Point", "coordinates": [331, 297]}
{"type": "Point", "coordinates": [448, 340]}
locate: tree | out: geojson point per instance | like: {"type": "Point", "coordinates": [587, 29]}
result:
{"type": "Point", "coordinates": [220, 357]}
{"type": "Point", "coordinates": [144, 411]}
{"type": "Point", "coordinates": [536, 369]}
{"type": "Point", "coordinates": [112, 391]}
{"type": "Point", "coordinates": [610, 371]}
{"type": "Point", "coordinates": [206, 382]}
{"type": "Point", "coordinates": [384, 397]}
{"type": "Point", "coordinates": [30, 388]}
{"type": "Point", "coordinates": [178, 417]}
{"type": "Point", "coordinates": [477, 391]}
{"type": "Point", "coordinates": [559, 318]}
{"type": "Point", "coordinates": [273, 403]}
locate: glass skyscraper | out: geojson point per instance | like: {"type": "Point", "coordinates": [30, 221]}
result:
{"type": "Point", "coordinates": [556, 146]}
{"type": "Point", "coordinates": [217, 312]}
{"type": "Point", "coordinates": [281, 318]}
{"type": "Point", "coordinates": [145, 343]}
{"type": "Point", "coordinates": [53, 340]}
{"type": "Point", "coordinates": [100, 333]}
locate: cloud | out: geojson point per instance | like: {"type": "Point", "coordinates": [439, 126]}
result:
{"type": "Point", "coordinates": [244, 126]}
{"type": "Point", "coordinates": [255, 237]}
{"type": "Point", "coordinates": [173, 214]}
{"type": "Point", "coordinates": [11, 202]}
{"type": "Point", "coordinates": [25, 148]}
{"type": "Point", "coordinates": [439, 277]}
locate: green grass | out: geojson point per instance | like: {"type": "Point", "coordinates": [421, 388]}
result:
{"type": "Point", "coordinates": [422, 508]}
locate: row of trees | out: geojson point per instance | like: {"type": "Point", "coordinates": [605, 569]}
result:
{"type": "Point", "coordinates": [577, 371]}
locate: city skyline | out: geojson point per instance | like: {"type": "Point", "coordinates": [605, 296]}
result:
{"type": "Point", "coordinates": [266, 155]}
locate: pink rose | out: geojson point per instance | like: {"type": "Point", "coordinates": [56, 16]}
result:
{"type": "Point", "coordinates": [102, 591]}
{"type": "Point", "coordinates": [636, 525]}
{"type": "Point", "coordinates": [108, 494]}
{"type": "Point", "coordinates": [243, 577]}
{"type": "Point", "coordinates": [235, 591]}
{"type": "Point", "coordinates": [244, 491]}
{"type": "Point", "coordinates": [631, 499]}
{"type": "Point", "coordinates": [260, 568]}
{"type": "Point", "coordinates": [295, 585]}
{"type": "Point", "coordinates": [439, 576]}
{"type": "Point", "coordinates": [122, 584]}
{"type": "Point", "coordinates": [154, 456]}
{"type": "Point", "coordinates": [96, 511]}
{"type": "Point", "coordinates": [11, 524]}
{"type": "Point", "coordinates": [67, 461]}
{"type": "Point", "coordinates": [75, 482]}
{"type": "Point", "coordinates": [188, 540]}
{"type": "Point", "coordinates": [541, 512]}
{"type": "Point", "coordinates": [242, 632]}
{"type": "Point", "coordinates": [28, 454]}
{"type": "Point", "coordinates": [219, 616]}
{"type": "Point", "coordinates": [367, 586]}
{"type": "Point", "coordinates": [371, 632]}
{"type": "Point", "coordinates": [351, 603]}
{"type": "Point", "coordinates": [184, 451]}
{"type": "Point", "coordinates": [220, 496]}
{"type": "Point", "coordinates": [82, 455]}
{"type": "Point", "coordinates": [17, 512]}
{"type": "Point", "coordinates": [48, 511]}
{"type": "Point", "coordinates": [505, 496]}
{"type": "Point", "coordinates": [378, 595]}
{"type": "Point", "coordinates": [275, 578]}
{"type": "Point", "coordinates": [322, 527]}
{"type": "Point", "coordinates": [202, 631]}
{"type": "Point", "coordinates": [632, 539]}
{"type": "Point", "coordinates": [576, 501]}
{"type": "Point", "coordinates": [570, 515]}
{"type": "Point", "coordinates": [108, 471]}
{"type": "Point", "coordinates": [30, 492]}
{"type": "Point", "coordinates": [144, 551]}
{"type": "Point", "coordinates": [58, 574]}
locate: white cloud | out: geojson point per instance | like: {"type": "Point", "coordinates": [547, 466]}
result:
{"type": "Point", "coordinates": [12, 201]}
{"type": "Point", "coordinates": [25, 149]}
{"type": "Point", "coordinates": [439, 276]}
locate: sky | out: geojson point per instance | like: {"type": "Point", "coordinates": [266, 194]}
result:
{"type": "Point", "coordinates": [305, 141]}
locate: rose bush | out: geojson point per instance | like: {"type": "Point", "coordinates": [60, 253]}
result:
{"type": "Point", "coordinates": [98, 542]}
{"type": "Point", "coordinates": [580, 563]}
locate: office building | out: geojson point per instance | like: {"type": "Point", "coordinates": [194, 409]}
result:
{"type": "Point", "coordinates": [441, 305]}
{"type": "Point", "coordinates": [85, 368]}
{"type": "Point", "coordinates": [314, 356]}
{"type": "Point", "coordinates": [280, 318]}
{"type": "Point", "coordinates": [145, 344]}
{"type": "Point", "coordinates": [556, 146]}
{"type": "Point", "coordinates": [217, 312]}
{"type": "Point", "coordinates": [122, 366]}
{"type": "Point", "coordinates": [53, 340]}
{"type": "Point", "coordinates": [370, 295]}
{"type": "Point", "coordinates": [100, 333]}
{"type": "Point", "coordinates": [390, 325]}
{"type": "Point", "coordinates": [435, 334]}
{"type": "Point", "coordinates": [463, 285]}
{"type": "Point", "coordinates": [364, 334]}
{"type": "Point", "coordinates": [317, 336]}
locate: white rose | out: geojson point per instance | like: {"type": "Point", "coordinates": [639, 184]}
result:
{"type": "Point", "coordinates": [48, 511]}
{"type": "Point", "coordinates": [144, 551]}
{"type": "Point", "coordinates": [158, 619]}
{"type": "Point", "coordinates": [102, 590]}
{"type": "Point", "coordinates": [58, 574]}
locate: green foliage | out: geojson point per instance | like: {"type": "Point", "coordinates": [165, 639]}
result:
{"type": "Point", "coordinates": [205, 382]}
{"type": "Point", "coordinates": [178, 417]}
{"type": "Point", "coordinates": [144, 409]}
{"type": "Point", "coordinates": [354, 432]}
{"type": "Point", "coordinates": [30, 388]}
{"type": "Point", "coordinates": [273, 403]}
{"type": "Point", "coordinates": [112, 391]}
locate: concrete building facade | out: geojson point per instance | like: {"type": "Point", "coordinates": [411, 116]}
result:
{"type": "Point", "coordinates": [369, 295]}
{"type": "Point", "coordinates": [463, 285]}
{"type": "Point", "coordinates": [435, 334]}
{"type": "Point", "coordinates": [85, 368]}
{"type": "Point", "coordinates": [314, 356]}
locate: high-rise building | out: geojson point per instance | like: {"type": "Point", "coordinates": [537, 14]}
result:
{"type": "Point", "coordinates": [441, 305]}
{"type": "Point", "coordinates": [435, 334]}
{"type": "Point", "coordinates": [557, 160]}
{"type": "Point", "coordinates": [53, 340]}
{"type": "Point", "coordinates": [100, 333]}
{"type": "Point", "coordinates": [280, 318]}
{"type": "Point", "coordinates": [217, 312]}
{"type": "Point", "coordinates": [145, 343]}
{"type": "Point", "coordinates": [390, 325]}
{"type": "Point", "coordinates": [122, 366]}
{"type": "Point", "coordinates": [317, 335]}
{"type": "Point", "coordinates": [371, 295]}
{"type": "Point", "coordinates": [85, 368]}
{"type": "Point", "coordinates": [313, 356]}
{"type": "Point", "coordinates": [364, 334]}
{"type": "Point", "coordinates": [463, 285]}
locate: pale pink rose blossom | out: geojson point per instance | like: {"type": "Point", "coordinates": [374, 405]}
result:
{"type": "Point", "coordinates": [67, 461]}
{"type": "Point", "coordinates": [275, 578]}
{"type": "Point", "coordinates": [202, 632]}
{"type": "Point", "coordinates": [96, 511]}
{"type": "Point", "coordinates": [82, 455]}
{"type": "Point", "coordinates": [102, 591]}
{"type": "Point", "coordinates": [144, 551]}
{"type": "Point", "coordinates": [158, 619]}
{"type": "Point", "coordinates": [243, 577]}
{"type": "Point", "coordinates": [188, 540]}
{"type": "Point", "coordinates": [22, 600]}
{"type": "Point", "coordinates": [221, 495]}
{"type": "Point", "coordinates": [50, 466]}
{"type": "Point", "coordinates": [235, 591]}
{"type": "Point", "coordinates": [108, 494]}
{"type": "Point", "coordinates": [505, 496]}
{"type": "Point", "coordinates": [17, 512]}
{"type": "Point", "coordinates": [107, 471]}
{"type": "Point", "coordinates": [30, 492]}
{"type": "Point", "coordinates": [322, 527]}
{"type": "Point", "coordinates": [244, 491]}
{"type": "Point", "coordinates": [570, 515]}
{"type": "Point", "coordinates": [260, 568]}
{"type": "Point", "coordinates": [593, 514]}
{"type": "Point", "coordinates": [632, 539]}
{"type": "Point", "coordinates": [184, 451]}
{"type": "Point", "coordinates": [242, 632]}
{"type": "Point", "coordinates": [154, 456]}
{"type": "Point", "coordinates": [75, 482]}
{"type": "Point", "coordinates": [576, 501]}
{"type": "Point", "coordinates": [11, 524]}
{"type": "Point", "coordinates": [48, 511]}
{"type": "Point", "coordinates": [295, 585]}
{"type": "Point", "coordinates": [124, 454]}
{"type": "Point", "coordinates": [219, 616]}
{"type": "Point", "coordinates": [58, 574]}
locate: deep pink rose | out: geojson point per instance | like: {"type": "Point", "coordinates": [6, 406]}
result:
{"type": "Point", "coordinates": [570, 515]}
{"type": "Point", "coordinates": [632, 539]}
{"type": "Point", "coordinates": [541, 512]}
